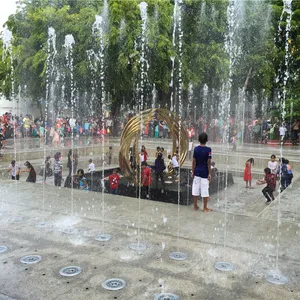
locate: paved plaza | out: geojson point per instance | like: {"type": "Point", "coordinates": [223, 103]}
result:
{"type": "Point", "coordinates": [241, 230]}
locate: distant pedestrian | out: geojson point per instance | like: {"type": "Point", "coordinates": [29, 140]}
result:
{"type": "Point", "coordinates": [82, 181]}
{"type": "Point", "coordinates": [159, 171]}
{"type": "Point", "coordinates": [30, 169]}
{"type": "Point", "coordinates": [114, 180]}
{"type": "Point", "coordinates": [146, 180]}
{"type": "Point", "coordinates": [14, 169]}
{"type": "Point", "coordinates": [70, 162]}
{"type": "Point", "coordinates": [57, 169]}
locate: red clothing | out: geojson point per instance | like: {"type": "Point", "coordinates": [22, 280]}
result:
{"type": "Point", "coordinates": [114, 181]}
{"type": "Point", "coordinates": [270, 179]}
{"type": "Point", "coordinates": [145, 155]}
{"type": "Point", "coordinates": [146, 177]}
{"type": "Point", "coordinates": [248, 172]}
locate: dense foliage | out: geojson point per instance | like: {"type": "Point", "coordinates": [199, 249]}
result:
{"type": "Point", "coordinates": [259, 57]}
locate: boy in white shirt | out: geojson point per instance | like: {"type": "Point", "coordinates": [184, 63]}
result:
{"type": "Point", "coordinates": [91, 166]}
{"type": "Point", "coordinates": [282, 132]}
{"type": "Point", "coordinates": [273, 164]}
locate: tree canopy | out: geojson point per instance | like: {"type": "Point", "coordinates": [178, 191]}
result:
{"type": "Point", "coordinates": [259, 52]}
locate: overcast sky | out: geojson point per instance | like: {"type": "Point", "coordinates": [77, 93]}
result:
{"type": "Point", "coordinates": [7, 7]}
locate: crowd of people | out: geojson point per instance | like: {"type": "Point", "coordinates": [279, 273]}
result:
{"type": "Point", "coordinates": [276, 170]}
{"type": "Point", "coordinates": [203, 170]}
{"type": "Point", "coordinates": [55, 131]}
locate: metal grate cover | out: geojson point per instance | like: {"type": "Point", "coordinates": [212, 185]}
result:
{"type": "Point", "coordinates": [114, 284]}
{"type": "Point", "coordinates": [277, 279]}
{"type": "Point", "coordinates": [178, 256]}
{"type": "Point", "coordinates": [43, 225]}
{"type": "Point", "coordinates": [70, 271]}
{"type": "Point", "coordinates": [17, 219]}
{"type": "Point", "coordinates": [70, 231]}
{"type": "Point", "coordinates": [103, 237]}
{"type": "Point", "coordinates": [138, 246]}
{"type": "Point", "coordinates": [166, 296]}
{"type": "Point", "coordinates": [224, 266]}
{"type": "Point", "coordinates": [31, 259]}
{"type": "Point", "coordinates": [3, 249]}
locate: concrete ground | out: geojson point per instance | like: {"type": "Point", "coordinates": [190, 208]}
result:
{"type": "Point", "coordinates": [241, 230]}
{"type": "Point", "coordinates": [256, 238]}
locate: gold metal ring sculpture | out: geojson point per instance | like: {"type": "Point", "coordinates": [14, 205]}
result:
{"type": "Point", "coordinates": [131, 134]}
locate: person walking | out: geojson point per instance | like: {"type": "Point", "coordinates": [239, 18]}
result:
{"type": "Point", "coordinates": [30, 169]}
{"type": "Point", "coordinates": [70, 162]}
{"type": "Point", "coordinates": [159, 171]}
{"type": "Point", "coordinates": [201, 172]}
{"type": "Point", "coordinates": [146, 180]}
{"type": "Point", "coordinates": [14, 169]}
{"type": "Point", "coordinates": [57, 169]}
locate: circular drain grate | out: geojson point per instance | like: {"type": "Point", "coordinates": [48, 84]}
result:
{"type": "Point", "coordinates": [17, 219]}
{"type": "Point", "coordinates": [3, 249]}
{"type": "Point", "coordinates": [277, 279]}
{"type": "Point", "coordinates": [103, 237]}
{"type": "Point", "coordinates": [138, 246]}
{"type": "Point", "coordinates": [166, 296]}
{"type": "Point", "coordinates": [224, 266]}
{"type": "Point", "coordinates": [31, 259]}
{"type": "Point", "coordinates": [178, 256]}
{"type": "Point", "coordinates": [70, 231]}
{"type": "Point", "coordinates": [114, 284]}
{"type": "Point", "coordinates": [43, 225]}
{"type": "Point", "coordinates": [70, 271]}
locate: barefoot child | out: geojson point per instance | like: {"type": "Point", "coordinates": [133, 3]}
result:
{"type": "Point", "coordinates": [201, 172]}
{"type": "Point", "coordinates": [270, 180]}
{"type": "Point", "coordinates": [248, 172]}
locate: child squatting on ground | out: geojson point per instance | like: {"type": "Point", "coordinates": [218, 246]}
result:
{"type": "Point", "coordinates": [270, 180]}
{"type": "Point", "coordinates": [201, 172]}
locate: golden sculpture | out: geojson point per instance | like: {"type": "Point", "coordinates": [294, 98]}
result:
{"type": "Point", "coordinates": [131, 137]}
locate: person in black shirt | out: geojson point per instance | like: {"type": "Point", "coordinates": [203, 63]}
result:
{"type": "Point", "coordinates": [159, 170]}
{"type": "Point", "coordinates": [30, 169]}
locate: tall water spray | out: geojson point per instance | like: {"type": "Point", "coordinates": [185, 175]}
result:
{"type": "Point", "coordinates": [50, 62]}
{"type": "Point", "coordinates": [234, 17]}
{"type": "Point", "coordinates": [68, 45]}
{"type": "Point", "coordinates": [275, 276]}
{"type": "Point", "coordinates": [98, 66]}
{"type": "Point", "coordinates": [141, 93]}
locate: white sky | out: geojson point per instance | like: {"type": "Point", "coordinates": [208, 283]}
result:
{"type": "Point", "coordinates": [7, 7]}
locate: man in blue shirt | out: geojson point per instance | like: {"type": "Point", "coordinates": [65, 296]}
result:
{"type": "Point", "coordinates": [201, 172]}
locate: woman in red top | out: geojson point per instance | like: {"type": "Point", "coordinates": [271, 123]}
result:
{"type": "Point", "coordinates": [248, 172]}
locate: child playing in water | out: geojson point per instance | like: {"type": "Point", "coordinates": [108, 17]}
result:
{"type": "Point", "coordinates": [114, 179]}
{"type": "Point", "coordinates": [146, 180]}
{"type": "Point", "coordinates": [270, 180]}
{"type": "Point", "coordinates": [248, 172]}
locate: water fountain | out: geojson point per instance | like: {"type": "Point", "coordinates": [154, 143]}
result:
{"type": "Point", "coordinates": [141, 246]}
{"type": "Point", "coordinates": [98, 65]}
{"type": "Point", "coordinates": [231, 48]}
{"type": "Point", "coordinates": [275, 276]}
